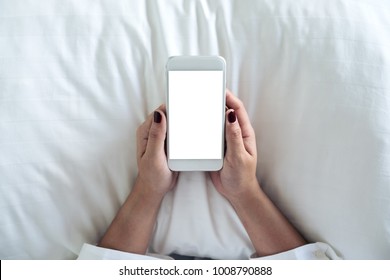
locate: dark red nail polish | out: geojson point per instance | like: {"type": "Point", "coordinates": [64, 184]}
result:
{"type": "Point", "coordinates": [157, 117]}
{"type": "Point", "coordinates": [232, 117]}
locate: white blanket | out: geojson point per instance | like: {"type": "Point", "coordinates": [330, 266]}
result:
{"type": "Point", "coordinates": [78, 77]}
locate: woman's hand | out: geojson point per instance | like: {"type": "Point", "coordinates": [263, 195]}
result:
{"type": "Point", "coordinates": [238, 174]}
{"type": "Point", "coordinates": [153, 171]}
{"type": "Point", "coordinates": [269, 231]}
{"type": "Point", "coordinates": [133, 225]}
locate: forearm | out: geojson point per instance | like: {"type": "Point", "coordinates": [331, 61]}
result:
{"type": "Point", "coordinates": [269, 231]}
{"type": "Point", "coordinates": [132, 227]}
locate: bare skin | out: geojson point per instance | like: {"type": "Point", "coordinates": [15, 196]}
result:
{"type": "Point", "coordinates": [269, 231]}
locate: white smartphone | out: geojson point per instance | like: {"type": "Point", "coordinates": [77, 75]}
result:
{"type": "Point", "coordinates": [195, 112]}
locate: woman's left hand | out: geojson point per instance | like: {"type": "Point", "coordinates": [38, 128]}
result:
{"type": "Point", "coordinates": [153, 171]}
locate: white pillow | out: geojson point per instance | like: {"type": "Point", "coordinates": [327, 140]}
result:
{"type": "Point", "coordinates": [77, 80]}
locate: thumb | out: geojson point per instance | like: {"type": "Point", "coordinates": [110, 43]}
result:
{"type": "Point", "coordinates": [157, 133]}
{"type": "Point", "coordinates": [234, 142]}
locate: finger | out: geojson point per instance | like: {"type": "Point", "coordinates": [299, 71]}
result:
{"type": "Point", "coordinates": [232, 102]}
{"type": "Point", "coordinates": [143, 132]}
{"type": "Point", "coordinates": [143, 135]}
{"type": "Point", "coordinates": [163, 108]}
{"type": "Point", "coordinates": [157, 133]}
{"type": "Point", "coordinates": [248, 134]}
{"type": "Point", "coordinates": [234, 141]}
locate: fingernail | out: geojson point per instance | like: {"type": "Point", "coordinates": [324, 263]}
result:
{"type": "Point", "coordinates": [232, 117]}
{"type": "Point", "coordinates": [157, 117]}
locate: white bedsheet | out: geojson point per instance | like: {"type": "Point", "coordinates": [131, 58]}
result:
{"type": "Point", "coordinates": [78, 77]}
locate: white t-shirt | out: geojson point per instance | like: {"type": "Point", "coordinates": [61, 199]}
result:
{"type": "Point", "coordinates": [312, 251]}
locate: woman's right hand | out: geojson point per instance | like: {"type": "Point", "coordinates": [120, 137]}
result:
{"type": "Point", "coordinates": [268, 229]}
{"type": "Point", "coordinates": [238, 174]}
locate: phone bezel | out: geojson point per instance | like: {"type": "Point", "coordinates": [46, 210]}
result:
{"type": "Point", "coordinates": [196, 63]}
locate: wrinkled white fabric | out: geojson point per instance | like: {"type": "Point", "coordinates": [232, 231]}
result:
{"type": "Point", "coordinates": [78, 77]}
{"type": "Point", "coordinates": [313, 251]}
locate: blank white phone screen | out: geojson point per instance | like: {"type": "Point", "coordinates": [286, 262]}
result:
{"type": "Point", "coordinates": [196, 114]}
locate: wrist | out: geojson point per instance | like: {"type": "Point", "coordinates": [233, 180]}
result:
{"type": "Point", "coordinates": [147, 192]}
{"type": "Point", "coordinates": [133, 225]}
{"type": "Point", "coordinates": [246, 192]}
{"type": "Point", "coordinates": [269, 231]}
